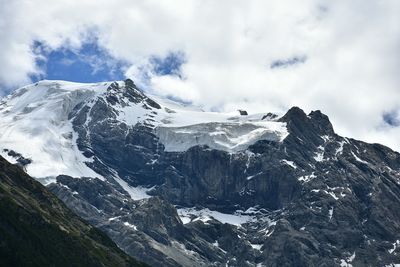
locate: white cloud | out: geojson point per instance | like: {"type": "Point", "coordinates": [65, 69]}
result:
{"type": "Point", "coordinates": [352, 50]}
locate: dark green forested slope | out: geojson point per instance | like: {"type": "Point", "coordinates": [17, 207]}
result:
{"type": "Point", "coordinates": [37, 229]}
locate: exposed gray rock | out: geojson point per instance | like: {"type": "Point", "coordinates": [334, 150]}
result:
{"type": "Point", "coordinates": [243, 112]}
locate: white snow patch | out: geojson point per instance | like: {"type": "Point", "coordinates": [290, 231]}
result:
{"type": "Point", "coordinates": [290, 163]}
{"type": "Point", "coordinates": [185, 219]}
{"type": "Point", "coordinates": [328, 192]}
{"type": "Point", "coordinates": [132, 114]}
{"type": "Point", "coordinates": [130, 225]}
{"type": "Point", "coordinates": [136, 193]}
{"type": "Point", "coordinates": [352, 257]}
{"type": "Point", "coordinates": [114, 218]}
{"type": "Point", "coordinates": [249, 156]}
{"type": "Point", "coordinates": [191, 215]}
{"type": "Point", "coordinates": [326, 138]}
{"type": "Point", "coordinates": [10, 159]}
{"type": "Point", "coordinates": [339, 150]}
{"type": "Point", "coordinates": [358, 159]}
{"type": "Point", "coordinates": [347, 262]}
{"type": "Point", "coordinates": [319, 155]}
{"type": "Point", "coordinates": [344, 263]}
{"type": "Point", "coordinates": [395, 246]}
{"type": "Point", "coordinates": [269, 233]}
{"type": "Point", "coordinates": [252, 210]}
{"type": "Point", "coordinates": [65, 186]}
{"type": "Point", "coordinates": [256, 246]}
{"type": "Point", "coordinates": [307, 178]}
{"type": "Point", "coordinates": [248, 178]}
{"type": "Point", "coordinates": [332, 194]}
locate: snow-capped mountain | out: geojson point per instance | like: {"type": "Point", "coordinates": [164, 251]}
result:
{"type": "Point", "coordinates": [173, 185]}
{"type": "Point", "coordinates": [41, 113]}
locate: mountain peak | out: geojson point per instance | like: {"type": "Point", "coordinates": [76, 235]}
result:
{"type": "Point", "coordinates": [130, 83]}
{"type": "Point", "coordinates": [321, 121]}
{"type": "Point", "coordinates": [294, 113]}
{"type": "Point", "coordinates": [315, 121]}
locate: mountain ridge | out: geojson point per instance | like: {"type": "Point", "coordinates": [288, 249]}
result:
{"type": "Point", "coordinates": [224, 189]}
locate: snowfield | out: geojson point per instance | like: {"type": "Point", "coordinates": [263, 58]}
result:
{"type": "Point", "coordinates": [188, 215]}
{"type": "Point", "coordinates": [34, 122]}
{"type": "Point", "coordinates": [228, 136]}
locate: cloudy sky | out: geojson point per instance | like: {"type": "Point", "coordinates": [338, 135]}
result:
{"type": "Point", "coordinates": [342, 57]}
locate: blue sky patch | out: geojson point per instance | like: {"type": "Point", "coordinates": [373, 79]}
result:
{"type": "Point", "coordinates": [89, 63]}
{"type": "Point", "coordinates": [169, 65]}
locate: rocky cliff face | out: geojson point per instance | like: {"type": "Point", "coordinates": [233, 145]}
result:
{"type": "Point", "coordinates": [180, 187]}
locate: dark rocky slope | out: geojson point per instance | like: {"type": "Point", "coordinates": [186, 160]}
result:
{"type": "Point", "coordinates": [36, 229]}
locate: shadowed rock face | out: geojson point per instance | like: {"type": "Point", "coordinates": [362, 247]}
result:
{"type": "Point", "coordinates": [312, 199]}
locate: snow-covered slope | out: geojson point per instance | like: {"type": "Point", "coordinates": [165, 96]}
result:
{"type": "Point", "coordinates": [36, 122]}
